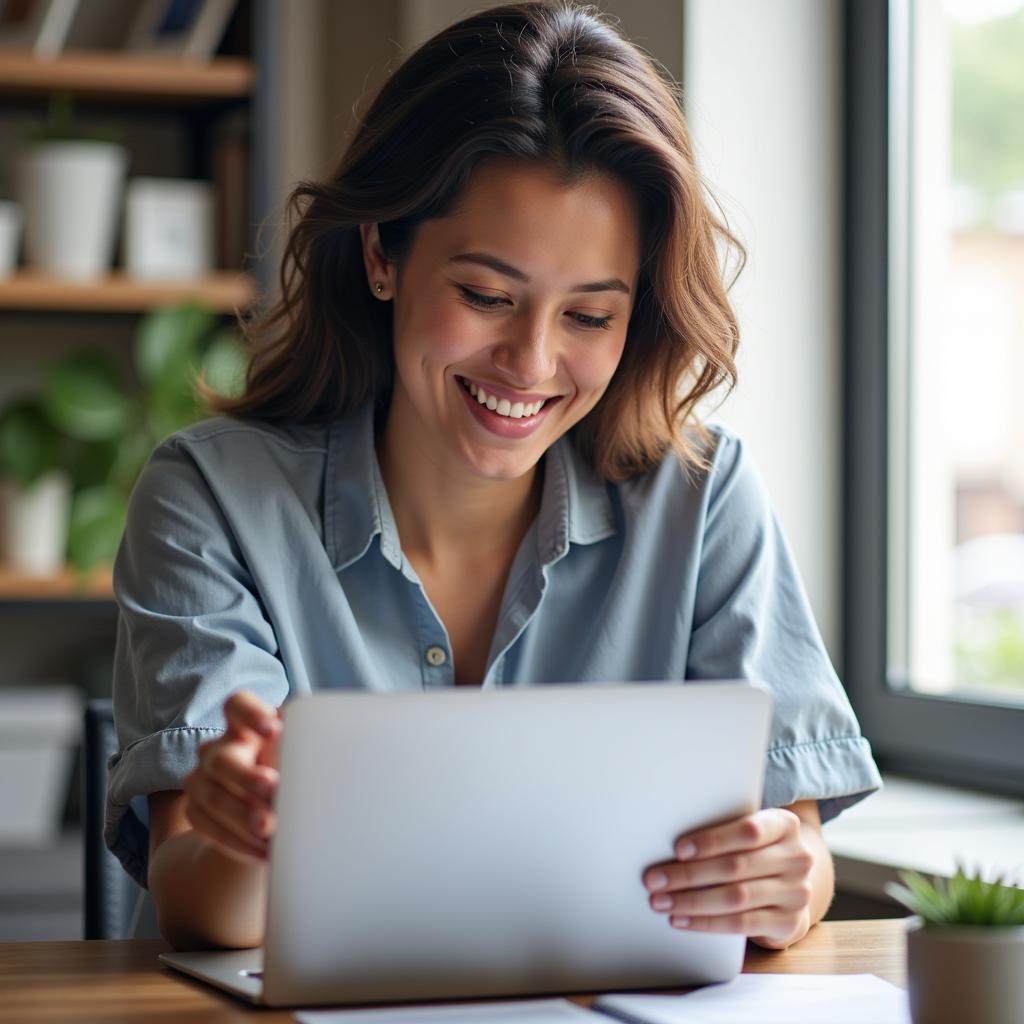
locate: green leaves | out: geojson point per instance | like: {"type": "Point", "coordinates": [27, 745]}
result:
{"type": "Point", "coordinates": [962, 900]}
{"type": "Point", "coordinates": [29, 443]}
{"type": "Point", "coordinates": [84, 397]}
{"type": "Point", "coordinates": [225, 365]}
{"type": "Point", "coordinates": [97, 521]}
{"type": "Point", "coordinates": [101, 429]}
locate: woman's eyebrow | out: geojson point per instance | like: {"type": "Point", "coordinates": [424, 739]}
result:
{"type": "Point", "coordinates": [485, 259]}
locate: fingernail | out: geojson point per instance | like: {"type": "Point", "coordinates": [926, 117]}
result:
{"type": "Point", "coordinates": [662, 903]}
{"type": "Point", "coordinates": [657, 880]}
{"type": "Point", "coordinates": [685, 851]}
{"type": "Point", "coordinates": [679, 922]}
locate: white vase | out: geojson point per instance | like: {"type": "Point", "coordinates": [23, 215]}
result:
{"type": "Point", "coordinates": [71, 195]}
{"type": "Point", "coordinates": [34, 523]}
{"type": "Point", "coordinates": [10, 236]}
{"type": "Point", "coordinates": [965, 975]}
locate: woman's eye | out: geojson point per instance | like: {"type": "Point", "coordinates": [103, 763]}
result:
{"type": "Point", "coordinates": [602, 322]}
{"type": "Point", "coordinates": [490, 301]}
{"type": "Point", "coordinates": [476, 299]}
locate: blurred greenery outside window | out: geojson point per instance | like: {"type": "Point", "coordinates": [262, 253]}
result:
{"type": "Point", "coordinates": [87, 420]}
{"type": "Point", "coordinates": [956, 415]}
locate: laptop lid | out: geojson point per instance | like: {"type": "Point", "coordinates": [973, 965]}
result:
{"type": "Point", "coordinates": [480, 843]}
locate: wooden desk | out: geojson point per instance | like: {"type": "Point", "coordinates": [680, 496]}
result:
{"type": "Point", "coordinates": [108, 982]}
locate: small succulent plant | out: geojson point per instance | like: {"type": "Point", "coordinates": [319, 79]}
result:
{"type": "Point", "coordinates": [962, 900]}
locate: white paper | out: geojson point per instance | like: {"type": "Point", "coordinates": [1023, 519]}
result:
{"type": "Point", "coordinates": [537, 1011]}
{"type": "Point", "coordinates": [774, 999]}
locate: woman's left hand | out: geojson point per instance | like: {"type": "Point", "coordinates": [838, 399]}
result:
{"type": "Point", "coordinates": [751, 875]}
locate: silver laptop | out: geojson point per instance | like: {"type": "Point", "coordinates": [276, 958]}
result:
{"type": "Point", "coordinates": [469, 843]}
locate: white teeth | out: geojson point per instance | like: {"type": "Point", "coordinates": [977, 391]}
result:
{"type": "Point", "coordinates": [502, 406]}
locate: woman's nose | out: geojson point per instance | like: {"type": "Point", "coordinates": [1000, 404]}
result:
{"type": "Point", "coordinates": [527, 359]}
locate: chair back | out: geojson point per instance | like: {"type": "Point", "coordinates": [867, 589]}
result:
{"type": "Point", "coordinates": [113, 899]}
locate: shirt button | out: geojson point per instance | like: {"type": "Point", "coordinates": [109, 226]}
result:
{"type": "Point", "coordinates": [436, 656]}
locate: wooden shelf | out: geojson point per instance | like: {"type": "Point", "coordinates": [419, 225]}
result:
{"type": "Point", "coordinates": [224, 291]}
{"type": "Point", "coordinates": [67, 585]}
{"type": "Point", "coordinates": [127, 76]}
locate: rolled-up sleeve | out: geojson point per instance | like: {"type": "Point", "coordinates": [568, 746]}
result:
{"type": "Point", "coordinates": [191, 631]}
{"type": "Point", "coordinates": [752, 620]}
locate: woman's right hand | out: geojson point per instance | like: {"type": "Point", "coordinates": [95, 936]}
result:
{"type": "Point", "coordinates": [229, 793]}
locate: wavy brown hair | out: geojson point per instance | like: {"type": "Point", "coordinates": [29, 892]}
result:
{"type": "Point", "coordinates": [552, 82]}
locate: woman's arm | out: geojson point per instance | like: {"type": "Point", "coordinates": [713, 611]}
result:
{"type": "Point", "coordinates": [208, 843]}
{"type": "Point", "coordinates": [767, 875]}
{"type": "Point", "coordinates": [204, 896]}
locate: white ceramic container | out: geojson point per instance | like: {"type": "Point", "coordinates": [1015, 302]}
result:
{"type": "Point", "coordinates": [168, 229]}
{"type": "Point", "coordinates": [71, 194]}
{"type": "Point", "coordinates": [11, 220]}
{"type": "Point", "coordinates": [34, 523]}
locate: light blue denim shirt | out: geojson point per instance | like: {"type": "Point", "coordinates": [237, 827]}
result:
{"type": "Point", "coordinates": [267, 558]}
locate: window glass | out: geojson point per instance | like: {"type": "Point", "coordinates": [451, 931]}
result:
{"type": "Point", "coordinates": [956, 396]}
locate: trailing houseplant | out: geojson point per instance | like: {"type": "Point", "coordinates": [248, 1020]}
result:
{"type": "Point", "coordinates": [965, 948]}
{"type": "Point", "coordinates": [91, 424]}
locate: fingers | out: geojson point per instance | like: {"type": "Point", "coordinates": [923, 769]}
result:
{"type": "Point", "coordinates": [228, 819]}
{"type": "Point", "coordinates": [230, 791]}
{"type": "Point", "coordinates": [234, 769]}
{"type": "Point", "coordinates": [750, 832]}
{"type": "Point", "coordinates": [736, 898]}
{"type": "Point", "coordinates": [730, 867]}
{"type": "Point", "coordinates": [224, 838]}
{"type": "Point", "coordinates": [250, 719]}
{"type": "Point", "coordinates": [770, 927]}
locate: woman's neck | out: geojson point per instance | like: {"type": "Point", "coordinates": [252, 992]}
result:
{"type": "Point", "coordinates": [442, 513]}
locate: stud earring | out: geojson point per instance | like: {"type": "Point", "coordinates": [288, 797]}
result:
{"type": "Point", "coordinates": [379, 287]}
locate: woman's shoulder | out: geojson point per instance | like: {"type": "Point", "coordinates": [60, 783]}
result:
{"type": "Point", "coordinates": [233, 463]}
{"type": "Point", "coordinates": [718, 455]}
{"type": "Point", "coordinates": [232, 435]}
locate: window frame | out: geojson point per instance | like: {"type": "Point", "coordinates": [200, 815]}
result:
{"type": "Point", "coordinates": [948, 739]}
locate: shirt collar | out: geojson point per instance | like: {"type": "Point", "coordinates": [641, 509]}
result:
{"type": "Point", "coordinates": [576, 506]}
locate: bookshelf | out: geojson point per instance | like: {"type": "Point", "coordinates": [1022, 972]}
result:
{"type": "Point", "coordinates": [65, 585]}
{"type": "Point", "coordinates": [225, 291]}
{"type": "Point", "coordinates": [126, 77]}
{"type": "Point", "coordinates": [190, 103]}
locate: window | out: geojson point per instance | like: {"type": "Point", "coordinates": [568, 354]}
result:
{"type": "Point", "coordinates": [934, 623]}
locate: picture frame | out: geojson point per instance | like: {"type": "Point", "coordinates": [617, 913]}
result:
{"type": "Point", "coordinates": [38, 26]}
{"type": "Point", "coordinates": [188, 29]}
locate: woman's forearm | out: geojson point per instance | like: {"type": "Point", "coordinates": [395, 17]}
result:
{"type": "Point", "coordinates": [205, 898]}
{"type": "Point", "coordinates": [823, 880]}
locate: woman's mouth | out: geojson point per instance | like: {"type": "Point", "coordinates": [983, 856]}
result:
{"type": "Point", "coordinates": [505, 416]}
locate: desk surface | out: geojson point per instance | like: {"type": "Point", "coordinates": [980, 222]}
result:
{"type": "Point", "coordinates": [110, 982]}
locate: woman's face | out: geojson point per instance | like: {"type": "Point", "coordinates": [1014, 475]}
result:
{"type": "Point", "coordinates": [510, 317]}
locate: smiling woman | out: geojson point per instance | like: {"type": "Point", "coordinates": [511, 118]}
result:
{"type": "Point", "coordinates": [468, 454]}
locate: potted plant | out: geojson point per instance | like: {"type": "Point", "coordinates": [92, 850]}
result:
{"type": "Point", "coordinates": [70, 190]}
{"type": "Point", "coordinates": [965, 949]}
{"type": "Point", "coordinates": [99, 430]}
{"type": "Point", "coordinates": [35, 489]}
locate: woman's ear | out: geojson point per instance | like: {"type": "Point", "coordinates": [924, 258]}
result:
{"type": "Point", "coordinates": [378, 269]}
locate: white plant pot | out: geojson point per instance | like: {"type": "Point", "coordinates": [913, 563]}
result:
{"type": "Point", "coordinates": [965, 975]}
{"type": "Point", "coordinates": [34, 523]}
{"type": "Point", "coordinates": [71, 195]}
{"type": "Point", "coordinates": [11, 219]}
